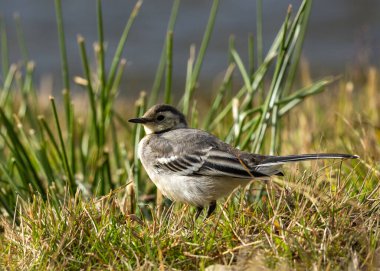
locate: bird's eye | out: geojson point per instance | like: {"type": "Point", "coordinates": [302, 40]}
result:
{"type": "Point", "coordinates": [160, 117]}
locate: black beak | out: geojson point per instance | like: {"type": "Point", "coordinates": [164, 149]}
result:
{"type": "Point", "coordinates": [139, 120]}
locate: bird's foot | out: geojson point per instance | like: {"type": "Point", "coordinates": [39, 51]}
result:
{"type": "Point", "coordinates": [198, 213]}
{"type": "Point", "coordinates": [211, 209]}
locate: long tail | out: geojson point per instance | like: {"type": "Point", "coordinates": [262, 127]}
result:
{"type": "Point", "coordinates": [278, 160]}
{"type": "Point", "coordinates": [271, 165]}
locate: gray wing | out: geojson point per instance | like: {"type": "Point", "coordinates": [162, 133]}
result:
{"type": "Point", "coordinates": [207, 162]}
{"type": "Point", "coordinates": [198, 153]}
{"type": "Point", "coordinates": [191, 152]}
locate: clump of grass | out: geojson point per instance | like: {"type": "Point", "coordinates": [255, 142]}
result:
{"type": "Point", "coordinates": [58, 160]}
{"type": "Point", "coordinates": [323, 220]}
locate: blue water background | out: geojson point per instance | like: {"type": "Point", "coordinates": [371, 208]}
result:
{"type": "Point", "coordinates": [342, 34]}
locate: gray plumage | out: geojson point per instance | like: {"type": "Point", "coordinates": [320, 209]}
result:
{"type": "Point", "coordinates": [195, 167]}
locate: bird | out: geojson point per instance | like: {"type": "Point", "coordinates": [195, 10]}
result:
{"type": "Point", "coordinates": [195, 167]}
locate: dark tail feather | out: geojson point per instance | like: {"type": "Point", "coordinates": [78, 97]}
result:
{"type": "Point", "coordinates": [302, 157]}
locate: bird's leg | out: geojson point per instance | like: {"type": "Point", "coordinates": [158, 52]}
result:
{"type": "Point", "coordinates": [211, 208]}
{"type": "Point", "coordinates": [199, 211]}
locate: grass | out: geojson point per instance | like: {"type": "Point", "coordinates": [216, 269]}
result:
{"type": "Point", "coordinates": [74, 195]}
{"type": "Point", "coordinates": [323, 216]}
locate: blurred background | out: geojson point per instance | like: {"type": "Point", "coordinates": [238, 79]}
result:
{"type": "Point", "coordinates": [342, 34]}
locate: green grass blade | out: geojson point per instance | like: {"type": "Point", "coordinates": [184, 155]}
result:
{"type": "Point", "coordinates": [63, 147]}
{"type": "Point", "coordinates": [117, 153]}
{"type": "Point", "coordinates": [205, 42]}
{"type": "Point", "coordinates": [200, 57]}
{"type": "Point", "coordinates": [251, 55]}
{"type": "Point", "coordinates": [137, 134]}
{"type": "Point", "coordinates": [6, 205]}
{"type": "Point", "coordinates": [62, 47]}
{"type": "Point", "coordinates": [274, 91]}
{"type": "Point", "coordinates": [120, 47]}
{"type": "Point", "coordinates": [169, 68]}
{"type": "Point", "coordinates": [21, 39]}
{"type": "Point", "coordinates": [4, 96]}
{"type": "Point", "coordinates": [259, 30]}
{"type": "Point", "coordinates": [90, 90]}
{"type": "Point", "coordinates": [257, 79]}
{"type": "Point", "coordinates": [45, 127]}
{"type": "Point", "coordinates": [189, 71]}
{"type": "Point", "coordinates": [11, 182]}
{"type": "Point", "coordinates": [219, 97]}
{"type": "Point", "coordinates": [106, 182]}
{"type": "Point", "coordinates": [306, 6]}
{"type": "Point", "coordinates": [28, 96]}
{"type": "Point", "coordinates": [243, 71]}
{"type": "Point", "coordinates": [4, 52]}
{"type": "Point", "coordinates": [161, 66]}
{"type": "Point", "coordinates": [23, 160]}
{"type": "Point", "coordinates": [118, 77]}
{"type": "Point", "coordinates": [66, 83]}
{"type": "Point", "coordinates": [102, 72]}
{"type": "Point", "coordinates": [297, 97]}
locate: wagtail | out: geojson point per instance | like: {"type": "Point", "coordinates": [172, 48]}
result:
{"type": "Point", "coordinates": [192, 166]}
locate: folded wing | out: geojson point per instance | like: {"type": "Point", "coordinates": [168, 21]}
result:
{"type": "Point", "coordinates": [212, 162]}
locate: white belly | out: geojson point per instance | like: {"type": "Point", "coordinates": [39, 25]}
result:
{"type": "Point", "coordinates": [194, 190]}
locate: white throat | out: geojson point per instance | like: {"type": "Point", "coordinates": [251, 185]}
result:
{"type": "Point", "coordinates": [148, 130]}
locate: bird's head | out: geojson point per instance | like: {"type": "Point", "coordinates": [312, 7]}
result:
{"type": "Point", "coordinates": [161, 118]}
